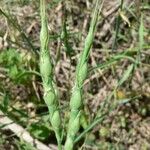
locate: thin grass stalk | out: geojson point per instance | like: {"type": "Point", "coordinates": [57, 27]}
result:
{"type": "Point", "coordinates": [46, 70]}
{"type": "Point", "coordinates": [76, 101]}
{"type": "Point", "coordinates": [16, 25]}
{"type": "Point", "coordinates": [117, 27]}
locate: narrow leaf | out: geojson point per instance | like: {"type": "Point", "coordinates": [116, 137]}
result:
{"type": "Point", "coordinates": [126, 74]}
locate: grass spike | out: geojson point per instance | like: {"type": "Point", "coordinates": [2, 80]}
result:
{"type": "Point", "coordinates": [81, 74]}
{"type": "Point", "coordinates": [46, 69]}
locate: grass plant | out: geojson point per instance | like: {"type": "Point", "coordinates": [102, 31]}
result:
{"type": "Point", "coordinates": [76, 101]}
{"type": "Point", "coordinates": [46, 69]}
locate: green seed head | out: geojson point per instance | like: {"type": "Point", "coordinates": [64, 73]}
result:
{"type": "Point", "coordinates": [56, 121]}
{"type": "Point", "coordinates": [76, 99]}
{"type": "Point", "coordinates": [45, 67]}
{"type": "Point", "coordinates": [74, 127]}
{"type": "Point", "coordinates": [82, 74]}
{"type": "Point", "coordinates": [49, 97]}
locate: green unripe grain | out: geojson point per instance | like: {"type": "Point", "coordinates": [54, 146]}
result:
{"type": "Point", "coordinates": [49, 98]}
{"type": "Point", "coordinates": [76, 99]}
{"type": "Point", "coordinates": [45, 67]}
{"type": "Point", "coordinates": [56, 121]}
{"type": "Point", "coordinates": [74, 126]}
{"type": "Point", "coordinates": [82, 73]}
